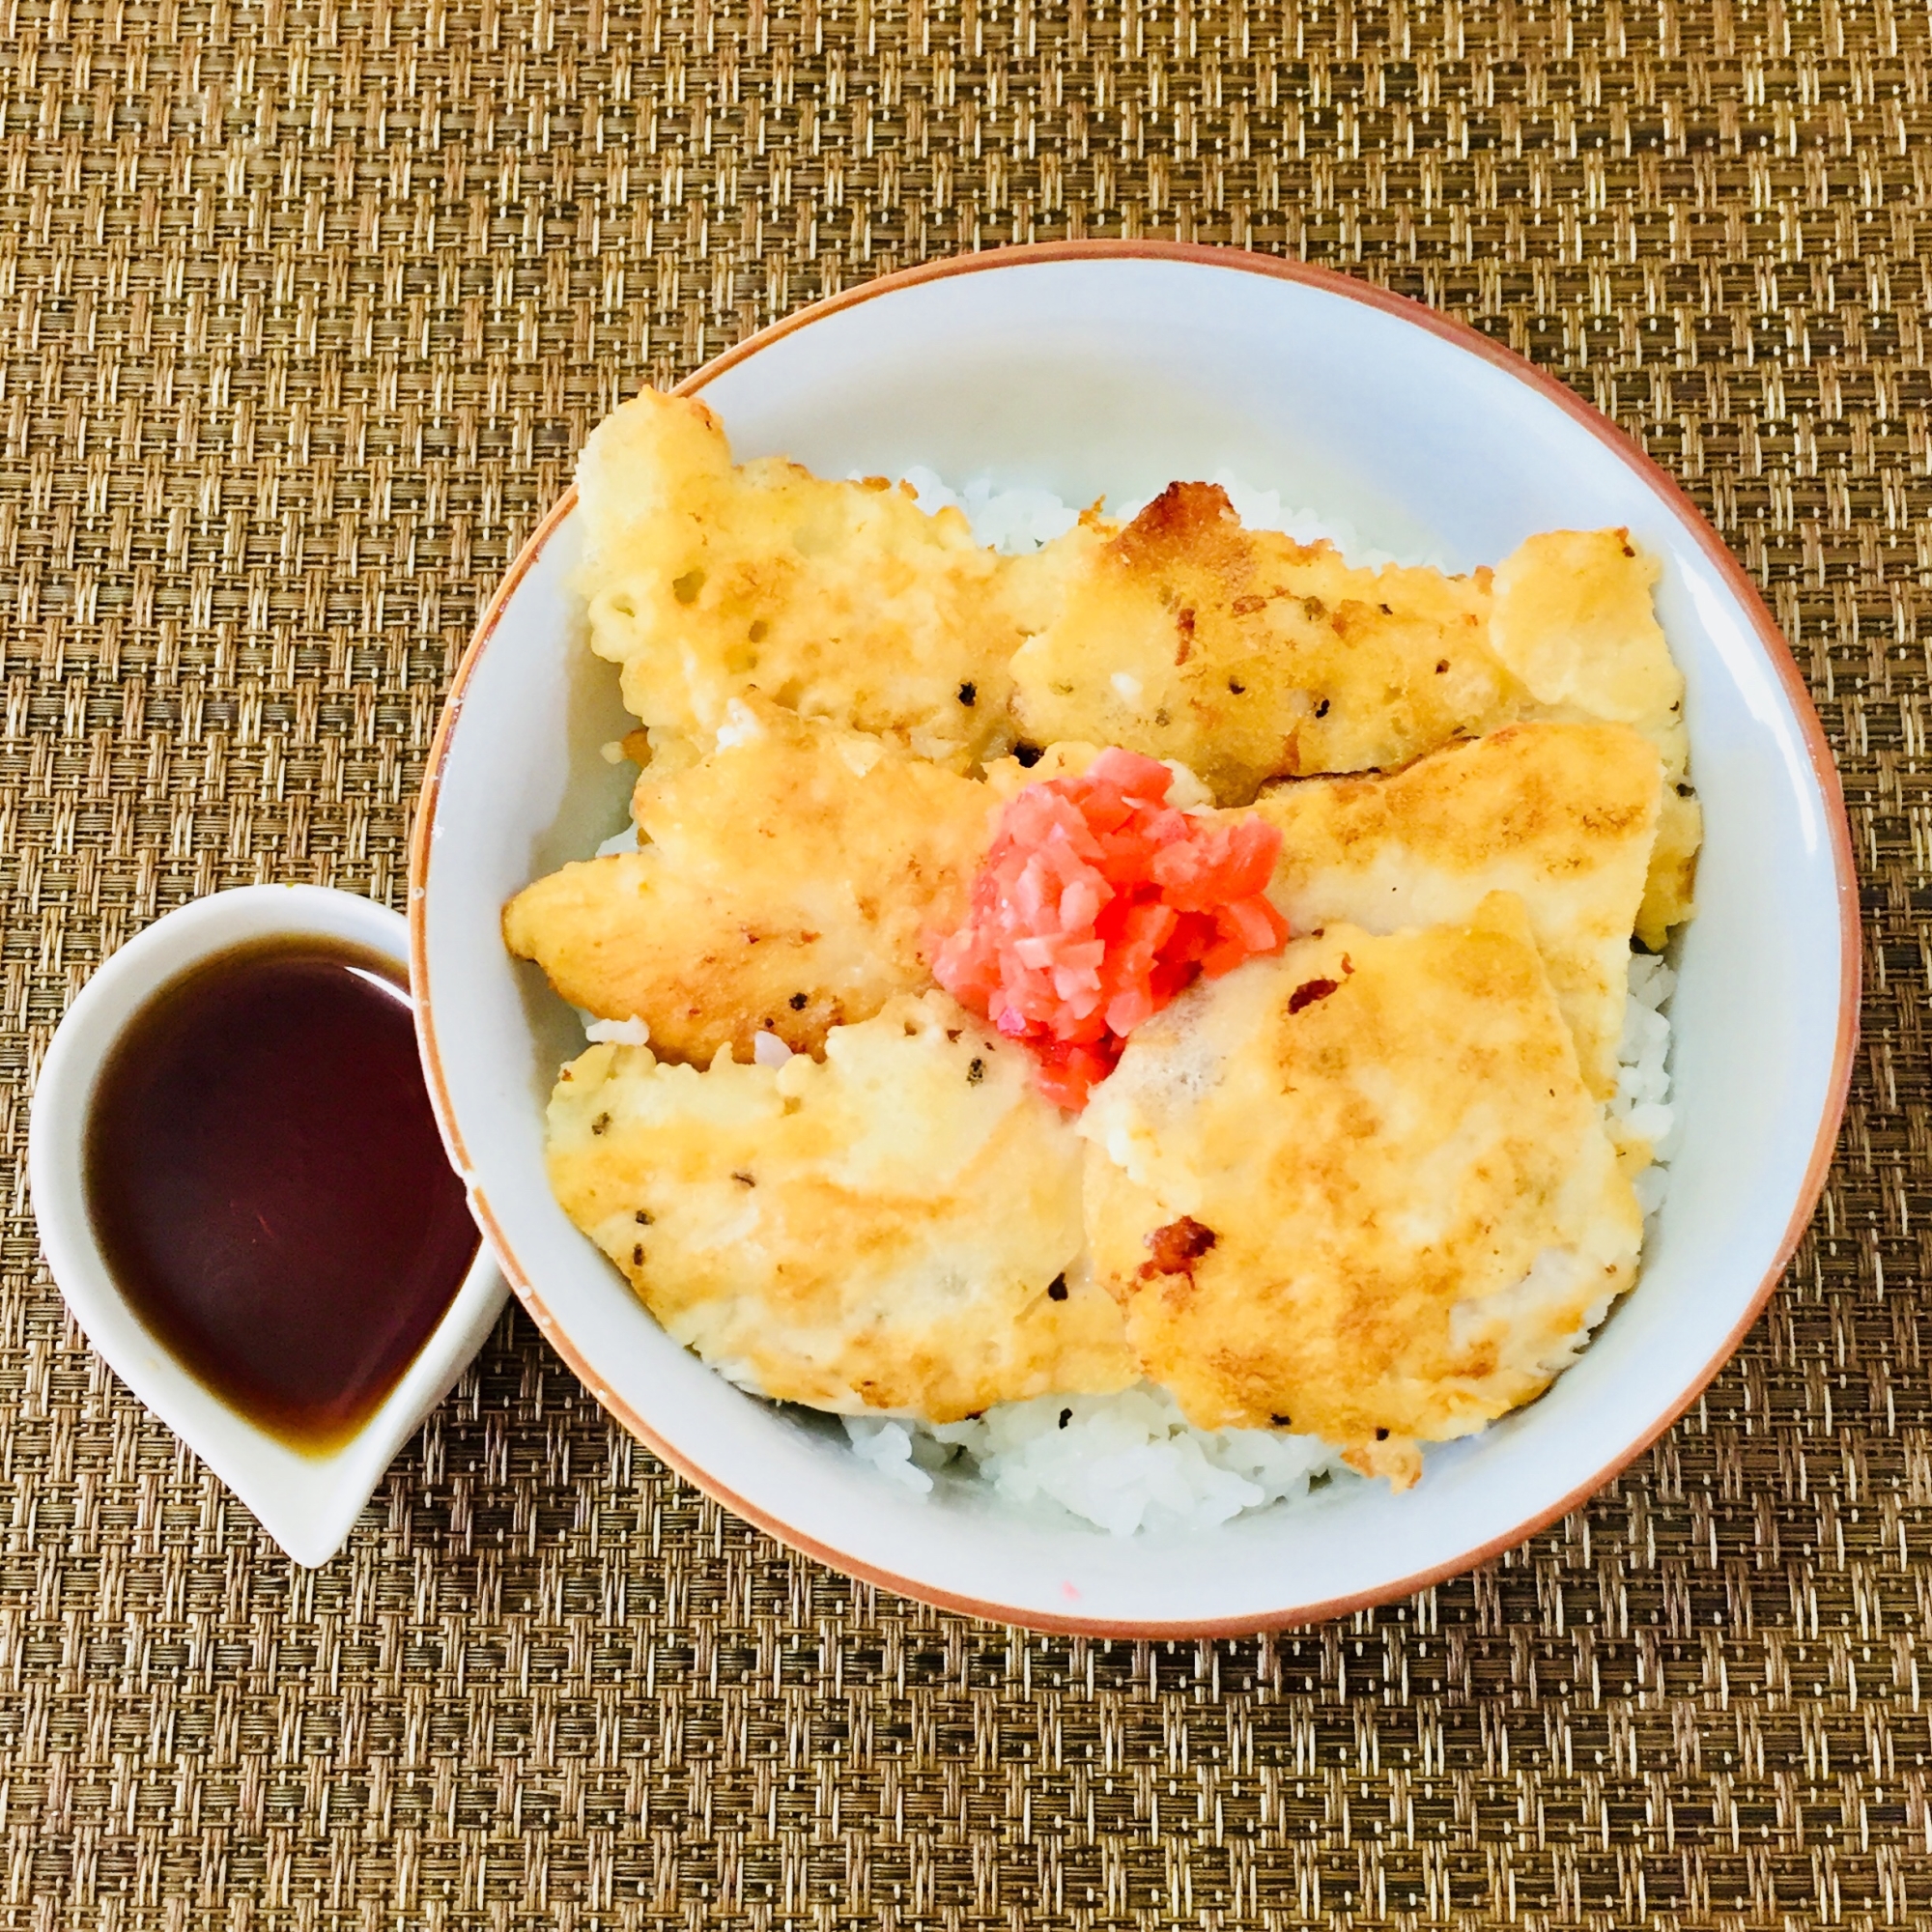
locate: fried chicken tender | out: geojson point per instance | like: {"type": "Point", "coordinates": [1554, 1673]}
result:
{"type": "Point", "coordinates": [1562, 815]}
{"type": "Point", "coordinates": [1360, 1189]}
{"type": "Point", "coordinates": [894, 1229]}
{"type": "Point", "coordinates": [844, 600]}
{"type": "Point", "coordinates": [788, 879]}
{"type": "Point", "coordinates": [1249, 656]}
{"type": "Point", "coordinates": [1575, 620]}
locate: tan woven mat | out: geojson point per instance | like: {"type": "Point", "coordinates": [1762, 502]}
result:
{"type": "Point", "coordinates": [304, 311]}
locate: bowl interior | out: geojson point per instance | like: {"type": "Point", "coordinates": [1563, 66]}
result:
{"type": "Point", "coordinates": [1110, 376]}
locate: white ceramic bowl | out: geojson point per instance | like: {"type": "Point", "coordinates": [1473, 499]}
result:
{"type": "Point", "coordinates": [308, 1503]}
{"type": "Point", "coordinates": [1114, 369]}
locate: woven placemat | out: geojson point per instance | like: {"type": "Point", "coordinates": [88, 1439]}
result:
{"type": "Point", "coordinates": [304, 311]}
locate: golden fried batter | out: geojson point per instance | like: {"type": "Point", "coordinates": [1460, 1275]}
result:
{"type": "Point", "coordinates": [788, 882]}
{"type": "Point", "coordinates": [1574, 621]}
{"type": "Point", "coordinates": [1360, 1189]}
{"type": "Point", "coordinates": [896, 1228]}
{"type": "Point", "coordinates": [843, 601]}
{"type": "Point", "coordinates": [1249, 656]}
{"type": "Point", "coordinates": [1562, 815]}
{"type": "Point", "coordinates": [1363, 1189]}
{"type": "Point", "coordinates": [1670, 891]}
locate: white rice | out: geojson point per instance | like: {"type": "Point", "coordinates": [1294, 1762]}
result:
{"type": "Point", "coordinates": [1125, 1462]}
{"type": "Point", "coordinates": [1013, 522]}
{"type": "Point", "coordinates": [1641, 1105]}
{"type": "Point", "coordinates": [616, 1033]}
{"type": "Point", "coordinates": [1131, 1461]}
{"type": "Point", "coordinates": [1017, 521]}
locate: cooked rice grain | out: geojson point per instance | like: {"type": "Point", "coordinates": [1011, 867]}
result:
{"type": "Point", "coordinates": [1126, 1461]}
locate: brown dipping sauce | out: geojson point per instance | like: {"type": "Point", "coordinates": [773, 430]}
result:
{"type": "Point", "coordinates": [268, 1186]}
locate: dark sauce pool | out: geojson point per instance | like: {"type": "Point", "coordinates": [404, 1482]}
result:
{"type": "Point", "coordinates": [268, 1187]}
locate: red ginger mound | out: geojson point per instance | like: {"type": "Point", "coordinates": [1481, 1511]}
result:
{"type": "Point", "coordinates": [1098, 903]}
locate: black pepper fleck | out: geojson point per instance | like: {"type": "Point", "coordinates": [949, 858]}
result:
{"type": "Point", "coordinates": [976, 1072]}
{"type": "Point", "coordinates": [969, 692]}
{"type": "Point", "coordinates": [1055, 1288]}
{"type": "Point", "coordinates": [602, 1122]}
{"type": "Point", "coordinates": [1026, 757]}
{"type": "Point", "coordinates": [1381, 1435]}
{"type": "Point", "coordinates": [1321, 709]}
{"type": "Point", "coordinates": [638, 1256]}
{"type": "Point", "coordinates": [1065, 1416]}
{"type": "Point", "coordinates": [797, 1002]}
{"type": "Point", "coordinates": [746, 1179]}
{"type": "Point", "coordinates": [644, 1217]}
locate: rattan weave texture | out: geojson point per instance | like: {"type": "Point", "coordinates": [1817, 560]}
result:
{"type": "Point", "coordinates": [303, 310]}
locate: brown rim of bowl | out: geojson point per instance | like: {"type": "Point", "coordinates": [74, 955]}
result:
{"type": "Point", "coordinates": [1663, 485]}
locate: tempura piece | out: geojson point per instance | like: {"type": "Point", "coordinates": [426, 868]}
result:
{"type": "Point", "coordinates": [1562, 815]}
{"type": "Point", "coordinates": [1574, 621]}
{"type": "Point", "coordinates": [1361, 1190]}
{"type": "Point", "coordinates": [894, 1229]}
{"type": "Point", "coordinates": [1249, 656]}
{"type": "Point", "coordinates": [1669, 892]}
{"type": "Point", "coordinates": [843, 601]}
{"type": "Point", "coordinates": [785, 887]}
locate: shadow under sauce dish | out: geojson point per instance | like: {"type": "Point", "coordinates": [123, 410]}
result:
{"type": "Point", "coordinates": [268, 1186]}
